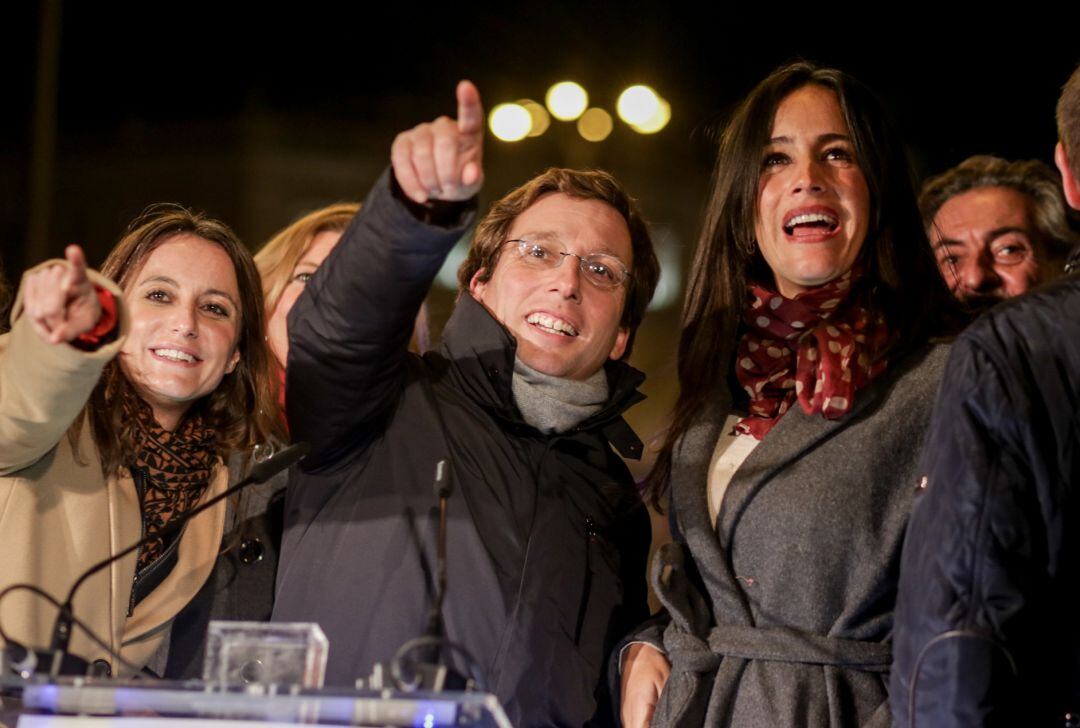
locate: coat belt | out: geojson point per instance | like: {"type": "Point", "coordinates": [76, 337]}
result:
{"type": "Point", "coordinates": [778, 644]}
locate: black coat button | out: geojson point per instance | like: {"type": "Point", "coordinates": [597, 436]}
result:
{"type": "Point", "coordinates": [251, 550]}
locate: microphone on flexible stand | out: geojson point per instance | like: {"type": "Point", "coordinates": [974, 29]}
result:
{"type": "Point", "coordinates": [259, 473]}
{"type": "Point", "coordinates": [434, 674]}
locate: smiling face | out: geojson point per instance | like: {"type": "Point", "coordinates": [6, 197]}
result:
{"type": "Point", "coordinates": [184, 310]}
{"type": "Point", "coordinates": [986, 243]}
{"type": "Point", "coordinates": [564, 325]}
{"type": "Point", "coordinates": [813, 203]}
{"type": "Point", "coordinates": [277, 334]}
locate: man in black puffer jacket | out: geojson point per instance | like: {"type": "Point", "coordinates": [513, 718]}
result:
{"type": "Point", "coordinates": [547, 538]}
{"type": "Point", "coordinates": [987, 626]}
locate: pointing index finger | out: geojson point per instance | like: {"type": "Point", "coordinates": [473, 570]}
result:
{"type": "Point", "coordinates": [77, 273]}
{"type": "Point", "coordinates": [470, 114]}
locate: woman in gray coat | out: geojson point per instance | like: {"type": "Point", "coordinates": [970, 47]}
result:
{"type": "Point", "coordinates": [807, 375]}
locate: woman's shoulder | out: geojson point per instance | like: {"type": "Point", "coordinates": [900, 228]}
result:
{"type": "Point", "coordinates": [701, 435]}
{"type": "Point", "coordinates": [906, 392]}
{"type": "Point", "coordinates": [920, 367]}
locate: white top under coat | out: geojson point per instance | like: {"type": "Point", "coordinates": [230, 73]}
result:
{"type": "Point", "coordinates": [731, 450]}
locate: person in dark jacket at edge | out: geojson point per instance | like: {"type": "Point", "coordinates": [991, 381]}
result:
{"type": "Point", "coordinates": [547, 535]}
{"type": "Point", "coordinates": [987, 627]}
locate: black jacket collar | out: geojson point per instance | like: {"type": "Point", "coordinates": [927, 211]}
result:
{"type": "Point", "coordinates": [481, 353]}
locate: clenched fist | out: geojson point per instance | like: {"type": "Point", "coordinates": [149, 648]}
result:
{"type": "Point", "coordinates": [59, 300]}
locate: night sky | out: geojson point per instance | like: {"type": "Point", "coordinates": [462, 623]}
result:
{"type": "Point", "coordinates": [954, 87]}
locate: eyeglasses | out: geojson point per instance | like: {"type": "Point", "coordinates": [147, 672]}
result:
{"type": "Point", "coordinates": [602, 270]}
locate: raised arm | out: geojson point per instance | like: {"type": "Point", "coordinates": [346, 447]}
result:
{"type": "Point", "coordinates": [350, 329]}
{"type": "Point", "coordinates": [45, 379]}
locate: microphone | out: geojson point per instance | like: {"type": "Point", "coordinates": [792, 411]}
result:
{"type": "Point", "coordinates": [259, 473]}
{"type": "Point", "coordinates": [442, 479]}
{"type": "Point", "coordinates": [442, 492]}
{"type": "Point", "coordinates": [434, 674]}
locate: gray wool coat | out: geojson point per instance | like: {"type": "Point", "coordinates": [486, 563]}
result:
{"type": "Point", "coordinates": [782, 614]}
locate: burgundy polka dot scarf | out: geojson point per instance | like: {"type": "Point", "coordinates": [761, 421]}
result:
{"type": "Point", "coordinates": [816, 348]}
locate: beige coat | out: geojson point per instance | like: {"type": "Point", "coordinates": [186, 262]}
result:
{"type": "Point", "coordinates": [60, 515]}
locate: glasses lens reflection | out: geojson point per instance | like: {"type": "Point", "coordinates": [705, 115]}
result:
{"type": "Point", "coordinates": [600, 269]}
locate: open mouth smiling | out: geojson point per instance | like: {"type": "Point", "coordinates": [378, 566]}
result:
{"type": "Point", "coordinates": [813, 223]}
{"type": "Point", "coordinates": [551, 325]}
{"type": "Point", "coordinates": [175, 355]}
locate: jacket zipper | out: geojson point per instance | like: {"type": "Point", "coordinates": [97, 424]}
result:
{"type": "Point", "coordinates": [163, 558]}
{"type": "Point", "coordinates": [160, 562]}
{"type": "Point", "coordinates": [137, 475]}
{"type": "Point", "coordinates": [591, 537]}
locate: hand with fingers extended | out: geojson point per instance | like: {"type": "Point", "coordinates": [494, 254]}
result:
{"type": "Point", "coordinates": [443, 159]}
{"type": "Point", "coordinates": [59, 300]}
{"type": "Point", "coordinates": [645, 670]}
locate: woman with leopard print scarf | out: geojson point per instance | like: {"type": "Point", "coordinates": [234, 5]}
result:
{"type": "Point", "coordinates": [119, 405]}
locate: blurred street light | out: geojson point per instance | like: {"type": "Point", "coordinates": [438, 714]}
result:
{"type": "Point", "coordinates": [567, 100]}
{"type": "Point", "coordinates": [510, 122]}
{"type": "Point", "coordinates": [595, 125]}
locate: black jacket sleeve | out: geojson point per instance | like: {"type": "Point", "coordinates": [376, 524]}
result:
{"type": "Point", "coordinates": [978, 558]}
{"type": "Point", "coordinates": [349, 331]}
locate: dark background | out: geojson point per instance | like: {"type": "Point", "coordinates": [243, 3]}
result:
{"type": "Point", "coordinates": [257, 116]}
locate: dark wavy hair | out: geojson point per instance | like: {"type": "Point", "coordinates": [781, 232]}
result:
{"type": "Point", "coordinates": [899, 269]}
{"type": "Point", "coordinates": [243, 410]}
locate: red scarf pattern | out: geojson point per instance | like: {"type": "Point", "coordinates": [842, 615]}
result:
{"type": "Point", "coordinates": [816, 348]}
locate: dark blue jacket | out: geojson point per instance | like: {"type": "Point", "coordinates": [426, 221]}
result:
{"type": "Point", "coordinates": [547, 538]}
{"type": "Point", "coordinates": [988, 617]}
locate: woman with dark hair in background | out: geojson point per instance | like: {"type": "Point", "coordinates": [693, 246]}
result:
{"type": "Point", "coordinates": [807, 377]}
{"type": "Point", "coordinates": [119, 403]}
